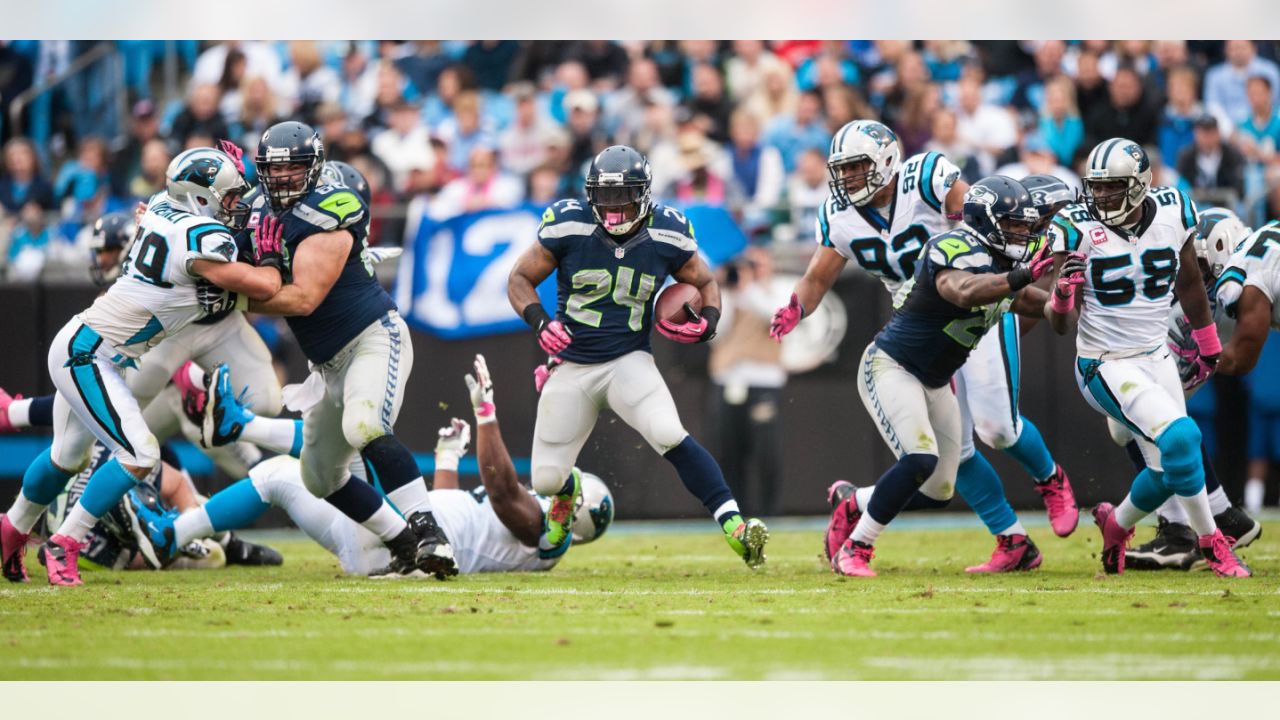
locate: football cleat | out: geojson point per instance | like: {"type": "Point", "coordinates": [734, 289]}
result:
{"type": "Point", "coordinates": [152, 529]}
{"type": "Point", "coordinates": [5, 401]}
{"type": "Point", "coordinates": [1013, 552]}
{"type": "Point", "coordinates": [13, 548]}
{"type": "Point", "coordinates": [854, 559]}
{"type": "Point", "coordinates": [1216, 550]}
{"type": "Point", "coordinates": [845, 514]}
{"type": "Point", "coordinates": [61, 557]}
{"type": "Point", "coordinates": [557, 523]}
{"type": "Point", "coordinates": [242, 552]}
{"type": "Point", "coordinates": [1059, 502]}
{"type": "Point", "coordinates": [748, 540]}
{"type": "Point", "coordinates": [1115, 539]}
{"type": "Point", "coordinates": [224, 414]}
{"type": "Point", "coordinates": [1173, 548]}
{"type": "Point", "coordinates": [434, 555]}
{"type": "Point", "coordinates": [1236, 523]}
{"type": "Point", "coordinates": [404, 554]}
{"type": "Point", "coordinates": [194, 398]}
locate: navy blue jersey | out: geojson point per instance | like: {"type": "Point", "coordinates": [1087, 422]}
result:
{"type": "Point", "coordinates": [356, 299]}
{"type": "Point", "coordinates": [928, 335]}
{"type": "Point", "coordinates": [606, 288]}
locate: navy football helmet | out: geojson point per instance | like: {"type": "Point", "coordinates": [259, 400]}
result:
{"type": "Point", "coordinates": [289, 159]}
{"type": "Point", "coordinates": [618, 184]}
{"type": "Point", "coordinates": [1000, 210]}
{"type": "Point", "coordinates": [336, 172]}
{"type": "Point", "coordinates": [113, 233]}
{"type": "Point", "coordinates": [1050, 195]}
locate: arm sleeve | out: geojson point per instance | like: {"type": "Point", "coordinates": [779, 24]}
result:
{"type": "Point", "coordinates": [822, 225]}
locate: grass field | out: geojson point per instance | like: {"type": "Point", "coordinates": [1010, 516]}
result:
{"type": "Point", "coordinates": [663, 602]}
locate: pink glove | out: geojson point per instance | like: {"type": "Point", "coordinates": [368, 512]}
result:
{"type": "Point", "coordinates": [554, 337]}
{"type": "Point", "coordinates": [267, 238]}
{"type": "Point", "coordinates": [1197, 372]}
{"type": "Point", "coordinates": [786, 319]}
{"type": "Point", "coordinates": [543, 372]}
{"type": "Point", "coordinates": [1039, 266]}
{"type": "Point", "coordinates": [232, 149]}
{"type": "Point", "coordinates": [1070, 278]}
{"type": "Point", "coordinates": [689, 332]}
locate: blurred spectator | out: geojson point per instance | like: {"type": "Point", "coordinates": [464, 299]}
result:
{"type": "Point", "coordinates": [1060, 124]}
{"type": "Point", "coordinates": [795, 133]}
{"type": "Point", "coordinates": [309, 82]}
{"type": "Point", "coordinates": [841, 105]}
{"type": "Point", "coordinates": [746, 367]}
{"type": "Point", "coordinates": [987, 128]}
{"type": "Point", "coordinates": [260, 59]}
{"type": "Point", "coordinates": [1225, 84]}
{"type": "Point", "coordinates": [200, 115]}
{"type": "Point", "coordinates": [481, 188]}
{"type": "Point", "coordinates": [545, 186]}
{"type": "Point", "coordinates": [490, 62]}
{"type": "Point", "coordinates": [389, 94]}
{"type": "Point", "coordinates": [1127, 113]}
{"type": "Point", "coordinates": [757, 169]}
{"type": "Point", "coordinates": [909, 76]}
{"type": "Point", "coordinates": [1125, 53]}
{"type": "Point", "coordinates": [233, 75]}
{"type": "Point", "coordinates": [605, 62]}
{"type": "Point", "coordinates": [466, 129]}
{"type": "Point", "coordinates": [625, 109]}
{"type": "Point", "coordinates": [1168, 55]}
{"type": "Point", "coordinates": [420, 62]}
{"type": "Point", "coordinates": [1032, 84]}
{"type": "Point", "coordinates": [536, 61]}
{"type": "Point", "coordinates": [1259, 134]}
{"type": "Point", "coordinates": [745, 69]}
{"type": "Point", "coordinates": [359, 77]}
{"type": "Point", "coordinates": [259, 110]}
{"type": "Point", "coordinates": [945, 59]}
{"type": "Point", "coordinates": [521, 146]}
{"type": "Point", "coordinates": [1175, 130]}
{"type": "Point", "coordinates": [699, 183]}
{"type": "Point", "coordinates": [150, 177]}
{"type": "Point", "coordinates": [946, 140]}
{"type": "Point", "coordinates": [585, 135]}
{"type": "Point", "coordinates": [1091, 87]}
{"type": "Point", "coordinates": [30, 244]}
{"type": "Point", "coordinates": [82, 184]}
{"type": "Point", "coordinates": [1263, 386]}
{"type": "Point", "coordinates": [807, 189]}
{"type": "Point", "coordinates": [22, 183]}
{"type": "Point", "coordinates": [915, 122]}
{"type": "Point", "coordinates": [830, 66]}
{"type": "Point", "coordinates": [658, 126]}
{"type": "Point", "coordinates": [1211, 164]}
{"type": "Point", "coordinates": [1003, 58]}
{"type": "Point", "coordinates": [1035, 157]}
{"type": "Point", "coordinates": [570, 77]}
{"type": "Point", "coordinates": [404, 148]}
{"type": "Point", "coordinates": [709, 103]}
{"type": "Point", "coordinates": [776, 96]}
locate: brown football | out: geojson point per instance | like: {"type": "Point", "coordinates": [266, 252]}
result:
{"type": "Point", "coordinates": [671, 301]}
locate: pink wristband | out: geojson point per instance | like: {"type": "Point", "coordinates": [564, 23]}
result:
{"type": "Point", "coordinates": [1062, 305]}
{"type": "Point", "coordinates": [1207, 339]}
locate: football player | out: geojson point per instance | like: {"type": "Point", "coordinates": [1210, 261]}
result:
{"type": "Point", "coordinates": [880, 213]}
{"type": "Point", "coordinates": [1124, 253]}
{"type": "Point", "coordinates": [184, 251]}
{"type": "Point", "coordinates": [494, 528]}
{"type": "Point", "coordinates": [610, 256]}
{"type": "Point", "coordinates": [355, 340]}
{"type": "Point", "coordinates": [964, 281]}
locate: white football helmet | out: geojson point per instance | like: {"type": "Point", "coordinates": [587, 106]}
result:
{"type": "Point", "coordinates": [206, 182]}
{"type": "Point", "coordinates": [594, 512]}
{"type": "Point", "coordinates": [859, 141]}
{"type": "Point", "coordinates": [1219, 234]}
{"type": "Point", "coordinates": [1117, 178]}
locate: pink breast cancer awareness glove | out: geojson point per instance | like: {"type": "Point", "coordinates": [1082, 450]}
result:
{"type": "Point", "coordinates": [1040, 266]}
{"type": "Point", "coordinates": [267, 240]}
{"type": "Point", "coordinates": [689, 332]}
{"type": "Point", "coordinates": [543, 372]}
{"type": "Point", "coordinates": [480, 386]}
{"type": "Point", "coordinates": [1072, 276]}
{"type": "Point", "coordinates": [786, 319]}
{"type": "Point", "coordinates": [232, 149]}
{"type": "Point", "coordinates": [554, 337]}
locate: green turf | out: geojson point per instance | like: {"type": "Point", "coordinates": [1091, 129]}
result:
{"type": "Point", "coordinates": [648, 605]}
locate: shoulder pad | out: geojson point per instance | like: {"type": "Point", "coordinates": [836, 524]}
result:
{"type": "Point", "coordinates": [669, 226]}
{"type": "Point", "coordinates": [566, 218]}
{"type": "Point", "coordinates": [329, 207]}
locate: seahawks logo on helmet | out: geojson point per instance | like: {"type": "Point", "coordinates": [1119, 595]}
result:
{"type": "Point", "coordinates": [202, 171]}
{"type": "Point", "coordinates": [983, 195]}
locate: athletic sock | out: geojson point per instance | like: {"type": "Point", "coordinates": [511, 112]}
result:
{"type": "Point", "coordinates": [385, 522]}
{"type": "Point", "coordinates": [105, 488]}
{"type": "Point", "coordinates": [867, 530]}
{"type": "Point", "coordinates": [700, 474]}
{"type": "Point", "coordinates": [192, 525]}
{"type": "Point", "coordinates": [1127, 514]}
{"type": "Point", "coordinates": [278, 435]}
{"type": "Point", "coordinates": [1014, 529]}
{"type": "Point", "coordinates": [392, 469]}
{"type": "Point", "coordinates": [894, 490]}
{"type": "Point", "coordinates": [1172, 512]}
{"type": "Point", "coordinates": [1218, 501]}
{"type": "Point", "coordinates": [1199, 516]}
{"type": "Point", "coordinates": [863, 495]}
{"type": "Point", "coordinates": [728, 516]}
{"type": "Point", "coordinates": [41, 484]}
{"type": "Point", "coordinates": [980, 486]}
{"type": "Point", "coordinates": [1031, 452]}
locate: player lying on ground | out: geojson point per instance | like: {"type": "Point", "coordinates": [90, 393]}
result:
{"type": "Point", "coordinates": [609, 258]}
{"type": "Point", "coordinates": [185, 249]}
{"type": "Point", "coordinates": [1125, 252]}
{"type": "Point", "coordinates": [494, 528]}
{"type": "Point", "coordinates": [965, 280]}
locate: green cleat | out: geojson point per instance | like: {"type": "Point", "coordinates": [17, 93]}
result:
{"type": "Point", "coordinates": [748, 540]}
{"type": "Point", "coordinates": [557, 523]}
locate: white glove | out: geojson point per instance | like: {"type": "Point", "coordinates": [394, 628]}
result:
{"type": "Point", "coordinates": [452, 444]}
{"type": "Point", "coordinates": [481, 387]}
{"type": "Point", "coordinates": [382, 254]}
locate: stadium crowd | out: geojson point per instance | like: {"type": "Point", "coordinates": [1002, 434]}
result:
{"type": "Point", "coordinates": [744, 124]}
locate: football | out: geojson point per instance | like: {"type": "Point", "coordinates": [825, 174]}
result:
{"type": "Point", "coordinates": [672, 300]}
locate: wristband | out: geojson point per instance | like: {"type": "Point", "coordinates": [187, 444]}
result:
{"type": "Point", "coordinates": [1019, 278]}
{"type": "Point", "coordinates": [1062, 304]}
{"type": "Point", "coordinates": [712, 315]}
{"type": "Point", "coordinates": [447, 461]}
{"type": "Point", "coordinates": [535, 315]}
{"type": "Point", "coordinates": [1207, 339]}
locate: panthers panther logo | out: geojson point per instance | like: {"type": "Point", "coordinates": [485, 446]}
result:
{"type": "Point", "coordinates": [201, 171]}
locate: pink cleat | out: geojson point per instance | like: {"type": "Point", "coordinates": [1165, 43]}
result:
{"type": "Point", "coordinates": [1216, 549]}
{"type": "Point", "coordinates": [5, 401]}
{"type": "Point", "coordinates": [62, 561]}
{"type": "Point", "coordinates": [13, 546]}
{"type": "Point", "coordinates": [1013, 552]}
{"type": "Point", "coordinates": [1115, 539]}
{"type": "Point", "coordinates": [193, 396]}
{"type": "Point", "coordinates": [854, 559]}
{"type": "Point", "coordinates": [1060, 502]}
{"type": "Point", "coordinates": [845, 514]}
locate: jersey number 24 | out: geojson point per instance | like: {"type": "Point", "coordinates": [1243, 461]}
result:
{"type": "Point", "coordinates": [593, 285]}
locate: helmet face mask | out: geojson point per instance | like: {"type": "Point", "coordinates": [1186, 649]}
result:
{"type": "Point", "coordinates": [862, 161]}
{"type": "Point", "coordinates": [1000, 210]}
{"type": "Point", "coordinates": [113, 235]}
{"type": "Point", "coordinates": [1219, 233]}
{"type": "Point", "coordinates": [1117, 180]}
{"type": "Point", "coordinates": [618, 189]}
{"type": "Point", "coordinates": [289, 160]}
{"type": "Point", "coordinates": [207, 183]}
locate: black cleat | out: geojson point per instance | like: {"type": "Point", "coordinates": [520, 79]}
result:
{"type": "Point", "coordinates": [434, 554]}
{"type": "Point", "coordinates": [243, 552]}
{"type": "Point", "coordinates": [404, 558]}
{"type": "Point", "coordinates": [1173, 548]}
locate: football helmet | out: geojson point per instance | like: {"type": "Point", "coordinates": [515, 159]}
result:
{"type": "Point", "coordinates": [336, 172]}
{"type": "Point", "coordinates": [289, 160]}
{"type": "Point", "coordinates": [874, 148]}
{"type": "Point", "coordinates": [1050, 195]}
{"type": "Point", "coordinates": [1117, 178]}
{"type": "Point", "coordinates": [618, 185]}
{"type": "Point", "coordinates": [594, 513]}
{"type": "Point", "coordinates": [205, 182]}
{"type": "Point", "coordinates": [1219, 234]}
{"type": "Point", "coordinates": [1000, 210]}
{"type": "Point", "coordinates": [113, 233]}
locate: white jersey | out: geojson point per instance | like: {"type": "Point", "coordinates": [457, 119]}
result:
{"type": "Point", "coordinates": [156, 293]}
{"type": "Point", "coordinates": [886, 242]}
{"type": "Point", "coordinates": [1255, 264]}
{"type": "Point", "coordinates": [1129, 277]}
